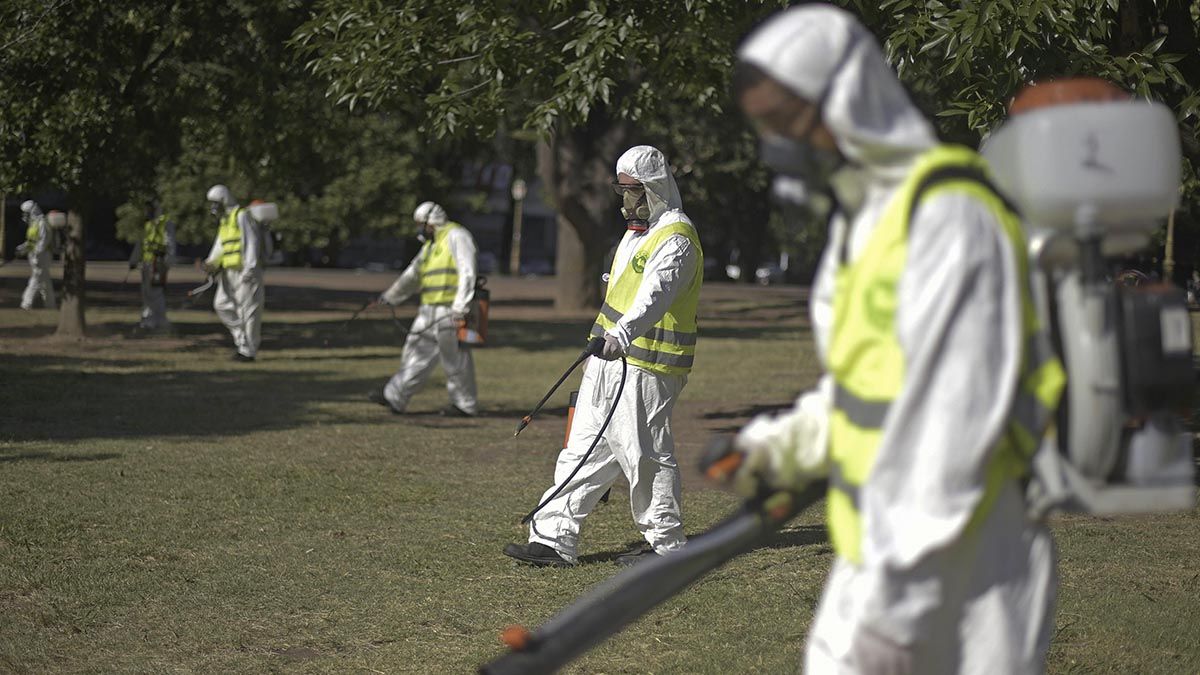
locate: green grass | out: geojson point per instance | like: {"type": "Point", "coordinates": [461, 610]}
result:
{"type": "Point", "coordinates": [163, 509]}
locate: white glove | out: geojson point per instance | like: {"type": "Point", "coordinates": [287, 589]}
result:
{"type": "Point", "coordinates": [786, 451]}
{"type": "Point", "coordinates": [23, 248]}
{"type": "Point", "coordinates": [458, 316]}
{"type": "Point", "coordinates": [612, 349]}
{"type": "Point", "coordinates": [874, 654]}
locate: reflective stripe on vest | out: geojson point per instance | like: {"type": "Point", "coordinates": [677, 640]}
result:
{"type": "Point", "coordinates": [669, 346]}
{"type": "Point", "coordinates": [439, 273]}
{"type": "Point", "coordinates": [230, 235]}
{"type": "Point", "coordinates": [154, 239]}
{"type": "Point", "coordinates": [867, 361]}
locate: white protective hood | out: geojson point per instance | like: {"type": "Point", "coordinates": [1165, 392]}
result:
{"type": "Point", "coordinates": [823, 54]}
{"type": "Point", "coordinates": [647, 165]}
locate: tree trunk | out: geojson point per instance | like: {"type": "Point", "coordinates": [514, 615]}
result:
{"type": "Point", "coordinates": [576, 168]}
{"type": "Point", "coordinates": [3, 228]}
{"type": "Point", "coordinates": [71, 323]}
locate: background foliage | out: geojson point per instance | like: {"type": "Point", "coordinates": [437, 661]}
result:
{"type": "Point", "coordinates": [348, 112]}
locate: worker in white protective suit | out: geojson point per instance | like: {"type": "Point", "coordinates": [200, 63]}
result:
{"type": "Point", "coordinates": [154, 253]}
{"type": "Point", "coordinates": [37, 246]}
{"type": "Point", "coordinates": [649, 318]}
{"type": "Point", "coordinates": [443, 272]}
{"type": "Point", "coordinates": [236, 262]}
{"type": "Point", "coordinates": [939, 383]}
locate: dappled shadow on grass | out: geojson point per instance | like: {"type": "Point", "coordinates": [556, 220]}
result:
{"type": "Point", "coordinates": [799, 535]}
{"type": "Point", "coordinates": [745, 411]}
{"type": "Point", "coordinates": [56, 457]}
{"type": "Point", "coordinates": [61, 398]}
{"type": "Point", "coordinates": [791, 537]}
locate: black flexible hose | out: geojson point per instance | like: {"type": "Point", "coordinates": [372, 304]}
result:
{"type": "Point", "coordinates": [596, 440]}
{"type": "Point", "coordinates": [594, 347]}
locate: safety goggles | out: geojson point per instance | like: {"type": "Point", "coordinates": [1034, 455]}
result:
{"type": "Point", "coordinates": [622, 188]}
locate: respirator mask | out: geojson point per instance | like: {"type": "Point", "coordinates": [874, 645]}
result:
{"type": "Point", "coordinates": [424, 231]}
{"type": "Point", "coordinates": [634, 206]}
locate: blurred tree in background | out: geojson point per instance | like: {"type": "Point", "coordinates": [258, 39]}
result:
{"type": "Point", "coordinates": [965, 61]}
{"type": "Point", "coordinates": [348, 112]}
{"type": "Point", "coordinates": [589, 78]}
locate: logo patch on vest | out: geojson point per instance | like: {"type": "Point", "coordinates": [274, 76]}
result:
{"type": "Point", "coordinates": [639, 262]}
{"type": "Point", "coordinates": [880, 301]}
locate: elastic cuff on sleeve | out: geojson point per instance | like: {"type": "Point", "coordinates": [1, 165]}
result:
{"type": "Point", "coordinates": [619, 333]}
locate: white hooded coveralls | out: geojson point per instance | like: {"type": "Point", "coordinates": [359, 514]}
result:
{"type": "Point", "coordinates": [433, 335]}
{"type": "Point", "coordinates": [638, 442]}
{"type": "Point", "coordinates": [40, 282]}
{"type": "Point", "coordinates": [978, 602]}
{"type": "Point", "coordinates": [154, 298]}
{"type": "Point", "coordinates": [241, 293]}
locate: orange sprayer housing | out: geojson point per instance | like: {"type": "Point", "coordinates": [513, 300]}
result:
{"type": "Point", "coordinates": [473, 331]}
{"type": "Point", "coordinates": [570, 416]}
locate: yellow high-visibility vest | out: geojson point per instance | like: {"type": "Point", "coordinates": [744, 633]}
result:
{"type": "Point", "coordinates": [439, 272]}
{"type": "Point", "coordinates": [230, 234]}
{"type": "Point", "coordinates": [867, 362]}
{"type": "Point", "coordinates": [32, 234]}
{"type": "Point", "coordinates": [669, 347]}
{"type": "Point", "coordinates": [154, 239]}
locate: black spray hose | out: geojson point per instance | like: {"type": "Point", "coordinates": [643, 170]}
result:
{"type": "Point", "coordinates": [596, 440]}
{"type": "Point", "coordinates": [593, 348]}
{"type": "Point", "coordinates": [342, 328]}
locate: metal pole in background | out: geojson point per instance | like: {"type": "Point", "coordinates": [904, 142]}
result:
{"type": "Point", "coordinates": [519, 190]}
{"type": "Point", "coordinates": [1168, 270]}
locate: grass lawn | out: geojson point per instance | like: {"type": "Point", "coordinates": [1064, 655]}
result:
{"type": "Point", "coordinates": [164, 509]}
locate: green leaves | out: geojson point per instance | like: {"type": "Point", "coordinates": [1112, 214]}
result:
{"type": "Point", "coordinates": [525, 65]}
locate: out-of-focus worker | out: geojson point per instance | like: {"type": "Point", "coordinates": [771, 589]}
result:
{"type": "Point", "coordinates": [154, 253]}
{"type": "Point", "coordinates": [649, 317]}
{"type": "Point", "coordinates": [938, 386]}
{"type": "Point", "coordinates": [37, 247]}
{"type": "Point", "coordinates": [236, 261]}
{"type": "Point", "coordinates": [443, 272]}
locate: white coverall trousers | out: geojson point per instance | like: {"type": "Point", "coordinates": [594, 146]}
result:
{"type": "Point", "coordinates": [434, 334]}
{"type": "Point", "coordinates": [154, 301]}
{"type": "Point", "coordinates": [239, 304]}
{"type": "Point", "coordinates": [39, 282]}
{"type": "Point", "coordinates": [637, 443]}
{"type": "Point", "coordinates": [995, 607]}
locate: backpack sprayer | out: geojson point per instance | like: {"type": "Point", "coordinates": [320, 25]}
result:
{"type": "Point", "coordinates": [1092, 180]}
{"type": "Point", "coordinates": [473, 331]}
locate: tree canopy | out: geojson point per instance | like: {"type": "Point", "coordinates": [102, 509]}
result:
{"type": "Point", "coordinates": [347, 112]}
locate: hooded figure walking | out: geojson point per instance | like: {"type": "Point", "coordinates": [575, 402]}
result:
{"type": "Point", "coordinates": [648, 317]}
{"type": "Point", "coordinates": [938, 385]}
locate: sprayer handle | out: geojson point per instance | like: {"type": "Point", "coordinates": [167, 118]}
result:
{"type": "Point", "coordinates": [595, 346]}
